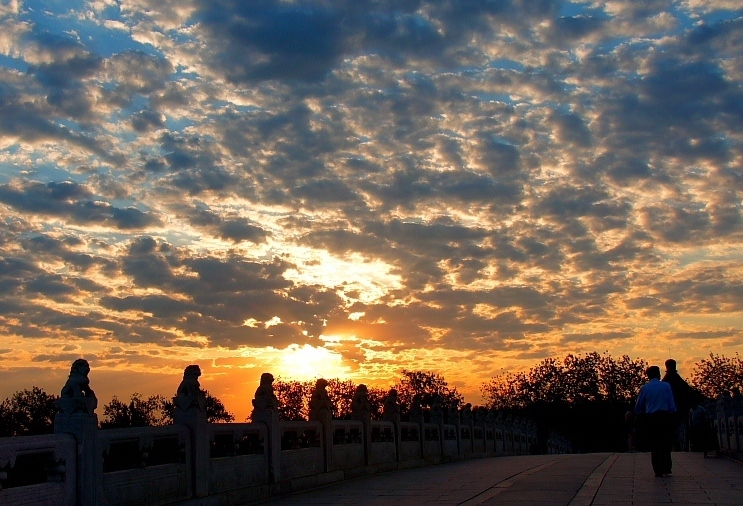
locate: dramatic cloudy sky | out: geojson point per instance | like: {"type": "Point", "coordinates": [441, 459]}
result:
{"type": "Point", "coordinates": [353, 187]}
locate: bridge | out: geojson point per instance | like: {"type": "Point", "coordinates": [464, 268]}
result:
{"type": "Point", "coordinates": [559, 480]}
{"type": "Point", "coordinates": [441, 458]}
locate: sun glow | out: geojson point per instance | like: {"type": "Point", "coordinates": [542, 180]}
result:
{"type": "Point", "coordinates": [307, 362]}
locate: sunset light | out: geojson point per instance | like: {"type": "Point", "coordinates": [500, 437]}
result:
{"type": "Point", "coordinates": [347, 189]}
{"type": "Point", "coordinates": [306, 362]}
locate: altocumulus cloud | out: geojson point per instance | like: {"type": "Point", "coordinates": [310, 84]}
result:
{"type": "Point", "coordinates": [511, 178]}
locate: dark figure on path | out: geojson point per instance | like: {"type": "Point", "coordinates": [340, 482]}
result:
{"type": "Point", "coordinates": [686, 399]}
{"type": "Point", "coordinates": [655, 405]}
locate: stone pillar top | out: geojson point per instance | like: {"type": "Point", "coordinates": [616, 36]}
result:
{"type": "Point", "coordinates": [265, 399]}
{"type": "Point", "coordinates": [416, 410]}
{"type": "Point", "coordinates": [189, 394]}
{"type": "Point", "coordinates": [466, 414]}
{"type": "Point", "coordinates": [77, 396]}
{"type": "Point", "coordinates": [391, 408]}
{"type": "Point", "coordinates": [360, 407]}
{"type": "Point", "coordinates": [321, 408]}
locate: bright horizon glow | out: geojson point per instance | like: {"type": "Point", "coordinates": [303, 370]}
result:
{"type": "Point", "coordinates": [307, 362]}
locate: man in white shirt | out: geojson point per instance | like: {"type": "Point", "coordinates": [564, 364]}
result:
{"type": "Point", "coordinates": [656, 403]}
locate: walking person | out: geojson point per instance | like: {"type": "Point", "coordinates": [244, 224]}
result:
{"type": "Point", "coordinates": [686, 399]}
{"type": "Point", "coordinates": [655, 404]}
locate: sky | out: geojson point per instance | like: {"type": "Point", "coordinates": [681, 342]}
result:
{"type": "Point", "coordinates": [349, 188]}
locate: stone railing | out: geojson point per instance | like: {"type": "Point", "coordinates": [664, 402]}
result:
{"type": "Point", "coordinates": [233, 463]}
{"type": "Point", "coordinates": [728, 424]}
{"type": "Point", "coordinates": [38, 470]}
{"type": "Point", "coordinates": [145, 465]}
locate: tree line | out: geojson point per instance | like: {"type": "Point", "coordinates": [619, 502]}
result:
{"type": "Point", "coordinates": [414, 388]}
{"type": "Point", "coordinates": [586, 397]}
{"type": "Point", "coordinates": [582, 397]}
{"type": "Point", "coordinates": [32, 411]}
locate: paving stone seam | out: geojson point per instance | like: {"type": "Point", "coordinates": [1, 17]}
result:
{"type": "Point", "coordinates": [587, 493]}
{"type": "Point", "coordinates": [504, 484]}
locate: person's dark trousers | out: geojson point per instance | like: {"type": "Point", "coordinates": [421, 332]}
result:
{"type": "Point", "coordinates": [660, 440]}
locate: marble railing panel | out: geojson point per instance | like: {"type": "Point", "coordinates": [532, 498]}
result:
{"type": "Point", "coordinates": [38, 470]}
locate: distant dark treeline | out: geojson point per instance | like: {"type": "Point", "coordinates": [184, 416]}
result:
{"type": "Point", "coordinates": [583, 398]}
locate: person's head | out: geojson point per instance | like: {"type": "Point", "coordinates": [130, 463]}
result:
{"type": "Point", "coordinates": [653, 372]}
{"type": "Point", "coordinates": [670, 365]}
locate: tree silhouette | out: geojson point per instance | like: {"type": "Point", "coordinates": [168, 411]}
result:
{"type": "Point", "coordinates": [578, 379]}
{"type": "Point", "coordinates": [27, 412]}
{"type": "Point", "coordinates": [216, 411]}
{"type": "Point", "coordinates": [584, 397]}
{"type": "Point", "coordinates": [294, 398]}
{"type": "Point", "coordinates": [717, 374]}
{"type": "Point", "coordinates": [425, 387]}
{"type": "Point", "coordinates": [138, 412]}
{"type": "Point", "coordinates": [156, 410]}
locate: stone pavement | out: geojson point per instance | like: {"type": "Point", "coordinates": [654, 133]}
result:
{"type": "Point", "coordinates": [574, 480]}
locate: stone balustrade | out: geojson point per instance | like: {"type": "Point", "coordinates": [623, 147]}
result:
{"type": "Point", "coordinates": [728, 426]}
{"type": "Point", "coordinates": [38, 470]}
{"type": "Point", "coordinates": [234, 463]}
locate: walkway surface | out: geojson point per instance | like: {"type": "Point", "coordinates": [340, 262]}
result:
{"type": "Point", "coordinates": [575, 480]}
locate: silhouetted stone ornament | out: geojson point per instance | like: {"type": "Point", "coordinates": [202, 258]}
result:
{"type": "Point", "coordinates": [466, 414]}
{"type": "Point", "coordinates": [480, 415]}
{"type": "Point", "coordinates": [76, 415]}
{"type": "Point", "coordinates": [77, 396]}
{"type": "Point", "coordinates": [437, 413]}
{"type": "Point", "coordinates": [190, 410]}
{"type": "Point", "coordinates": [736, 403]}
{"type": "Point", "coordinates": [265, 399]}
{"type": "Point", "coordinates": [321, 408]}
{"type": "Point", "coordinates": [391, 408]}
{"type": "Point", "coordinates": [452, 415]}
{"type": "Point", "coordinates": [360, 407]}
{"type": "Point", "coordinates": [189, 394]}
{"type": "Point", "coordinates": [266, 410]}
{"type": "Point", "coordinates": [416, 410]}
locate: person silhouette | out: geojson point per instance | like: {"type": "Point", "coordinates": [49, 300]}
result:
{"type": "Point", "coordinates": [686, 398]}
{"type": "Point", "coordinates": [655, 404]}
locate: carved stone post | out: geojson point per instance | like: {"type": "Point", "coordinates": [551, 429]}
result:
{"type": "Point", "coordinates": [321, 410]}
{"type": "Point", "coordinates": [416, 415]}
{"type": "Point", "coordinates": [437, 417]}
{"type": "Point", "coordinates": [508, 424]}
{"type": "Point", "coordinates": [266, 410]}
{"type": "Point", "coordinates": [361, 410]}
{"type": "Point", "coordinates": [391, 413]}
{"type": "Point", "coordinates": [457, 422]}
{"type": "Point", "coordinates": [490, 424]}
{"type": "Point", "coordinates": [479, 421]}
{"type": "Point", "coordinates": [76, 415]}
{"type": "Point", "coordinates": [467, 423]}
{"type": "Point", "coordinates": [190, 410]}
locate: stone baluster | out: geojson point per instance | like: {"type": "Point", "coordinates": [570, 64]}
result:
{"type": "Point", "coordinates": [437, 417]}
{"type": "Point", "coordinates": [76, 415]}
{"type": "Point", "coordinates": [361, 410]}
{"type": "Point", "coordinates": [190, 410]}
{"type": "Point", "coordinates": [266, 410]}
{"type": "Point", "coordinates": [466, 421]}
{"type": "Point", "coordinates": [454, 419]}
{"type": "Point", "coordinates": [391, 413]}
{"type": "Point", "coordinates": [321, 410]}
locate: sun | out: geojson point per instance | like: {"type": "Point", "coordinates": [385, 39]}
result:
{"type": "Point", "coordinates": [307, 362]}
